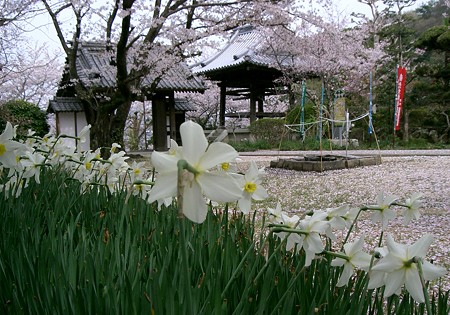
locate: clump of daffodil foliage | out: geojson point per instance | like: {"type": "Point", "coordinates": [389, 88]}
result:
{"type": "Point", "coordinates": [87, 235]}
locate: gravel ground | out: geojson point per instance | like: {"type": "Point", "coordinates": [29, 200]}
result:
{"type": "Point", "coordinates": [399, 175]}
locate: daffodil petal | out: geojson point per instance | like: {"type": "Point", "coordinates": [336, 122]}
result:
{"type": "Point", "coordinates": [388, 264]}
{"type": "Point", "coordinates": [314, 243]}
{"type": "Point", "coordinates": [413, 285]}
{"type": "Point", "coordinates": [395, 249]}
{"type": "Point", "coordinates": [420, 248]}
{"type": "Point", "coordinates": [194, 141]}
{"type": "Point", "coordinates": [8, 133]}
{"type": "Point", "coordinates": [219, 187]}
{"type": "Point", "coordinates": [165, 186]}
{"type": "Point", "coordinates": [361, 260]}
{"type": "Point", "coordinates": [338, 262]}
{"type": "Point", "coordinates": [345, 275]}
{"type": "Point", "coordinates": [194, 205]}
{"type": "Point", "coordinates": [164, 162]}
{"type": "Point", "coordinates": [376, 279]}
{"type": "Point", "coordinates": [431, 272]}
{"type": "Point", "coordinates": [245, 205]}
{"type": "Point", "coordinates": [252, 172]}
{"type": "Point", "coordinates": [260, 193]}
{"type": "Point", "coordinates": [217, 153]}
{"type": "Point", "coordinates": [393, 282]}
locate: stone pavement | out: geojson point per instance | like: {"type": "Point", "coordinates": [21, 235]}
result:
{"type": "Point", "coordinates": [383, 153]}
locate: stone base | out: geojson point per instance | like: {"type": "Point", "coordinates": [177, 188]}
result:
{"type": "Point", "coordinates": [325, 163]}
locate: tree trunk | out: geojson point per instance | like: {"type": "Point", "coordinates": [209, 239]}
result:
{"type": "Point", "coordinates": [108, 128]}
{"type": "Point", "coordinates": [406, 125]}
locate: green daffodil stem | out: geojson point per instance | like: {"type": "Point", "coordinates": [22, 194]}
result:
{"type": "Point", "coordinates": [278, 248]}
{"type": "Point", "coordinates": [418, 262]}
{"type": "Point", "coordinates": [143, 182]}
{"type": "Point", "coordinates": [380, 241]}
{"type": "Point", "coordinates": [351, 227]}
{"type": "Point", "coordinates": [186, 285]}
{"type": "Point", "coordinates": [279, 229]}
{"type": "Point", "coordinates": [334, 254]}
{"type": "Point", "coordinates": [238, 269]}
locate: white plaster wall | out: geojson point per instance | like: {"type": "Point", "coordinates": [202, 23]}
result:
{"type": "Point", "coordinates": [66, 122]}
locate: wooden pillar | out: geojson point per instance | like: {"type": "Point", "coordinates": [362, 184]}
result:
{"type": "Point", "coordinates": [260, 105]}
{"type": "Point", "coordinates": [159, 114]}
{"type": "Point", "coordinates": [253, 97]}
{"type": "Point", "coordinates": [260, 97]}
{"type": "Point", "coordinates": [223, 97]}
{"type": "Point", "coordinates": [171, 114]}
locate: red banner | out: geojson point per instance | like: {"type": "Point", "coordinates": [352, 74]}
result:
{"type": "Point", "coordinates": [401, 79]}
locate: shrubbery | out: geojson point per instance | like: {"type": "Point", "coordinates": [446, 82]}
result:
{"type": "Point", "coordinates": [271, 130]}
{"type": "Point", "coordinates": [26, 116]}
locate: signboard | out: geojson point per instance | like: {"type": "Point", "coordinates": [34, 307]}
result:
{"type": "Point", "coordinates": [339, 112]}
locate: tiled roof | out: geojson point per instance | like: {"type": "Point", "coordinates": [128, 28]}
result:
{"type": "Point", "coordinates": [72, 104]}
{"type": "Point", "coordinates": [95, 69]}
{"type": "Point", "coordinates": [244, 46]}
{"type": "Point", "coordinates": [184, 105]}
{"type": "Point", "coordinates": [64, 104]}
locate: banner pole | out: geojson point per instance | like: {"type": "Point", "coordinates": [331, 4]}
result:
{"type": "Point", "coordinates": [370, 103]}
{"type": "Point", "coordinates": [395, 105]}
{"type": "Point", "coordinates": [302, 114]}
{"type": "Point", "coordinates": [321, 112]}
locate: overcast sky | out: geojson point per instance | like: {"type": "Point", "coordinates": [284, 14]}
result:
{"type": "Point", "coordinates": [45, 32]}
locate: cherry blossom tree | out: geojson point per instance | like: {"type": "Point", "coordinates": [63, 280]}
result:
{"type": "Point", "coordinates": [12, 11]}
{"type": "Point", "coordinates": [144, 38]}
{"type": "Point", "coordinates": [327, 51]}
{"type": "Point", "coordinates": [31, 74]}
{"type": "Point", "coordinates": [27, 72]}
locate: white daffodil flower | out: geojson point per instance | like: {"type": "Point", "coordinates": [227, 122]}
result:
{"type": "Point", "coordinates": [314, 226]}
{"type": "Point", "coordinates": [8, 147]}
{"type": "Point", "coordinates": [174, 149]}
{"type": "Point", "coordinates": [413, 205]}
{"type": "Point", "coordinates": [251, 186]}
{"type": "Point", "coordinates": [336, 220]}
{"type": "Point", "coordinates": [82, 136]}
{"type": "Point", "coordinates": [201, 157]}
{"type": "Point", "coordinates": [350, 216]}
{"type": "Point", "coordinates": [382, 211]}
{"type": "Point", "coordinates": [377, 278]}
{"type": "Point", "coordinates": [137, 171]}
{"type": "Point", "coordinates": [275, 215]}
{"type": "Point", "coordinates": [293, 238]}
{"type": "Point", "coordinates": [32, 165]}
{"type": "Point", "coordinates": [355, 258]}
{"type": "Point", "coordinates": [401, 269]}
{"type": "Point", "coordinates": [278, 216]}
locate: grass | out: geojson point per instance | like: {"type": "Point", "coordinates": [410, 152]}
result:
{"type": "Point", "coordinates": [312, 144]}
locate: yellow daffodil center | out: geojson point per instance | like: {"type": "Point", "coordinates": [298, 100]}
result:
{"type": "Point", "coordinates": [225, 166]}
{"type": "Point", "coordinates": [2, 149]}
{"type": "Point", "coordinates": [137, 171]}
{"type": "Point", "coordinates": [88, 165]}
{"type": "Point", "coordinates": [138, 187]}
{"type": "Point", "coordinates": [250, 187]}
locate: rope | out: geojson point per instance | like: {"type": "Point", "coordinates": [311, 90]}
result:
{"type": "Point", "coordinates": [327, 119]}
